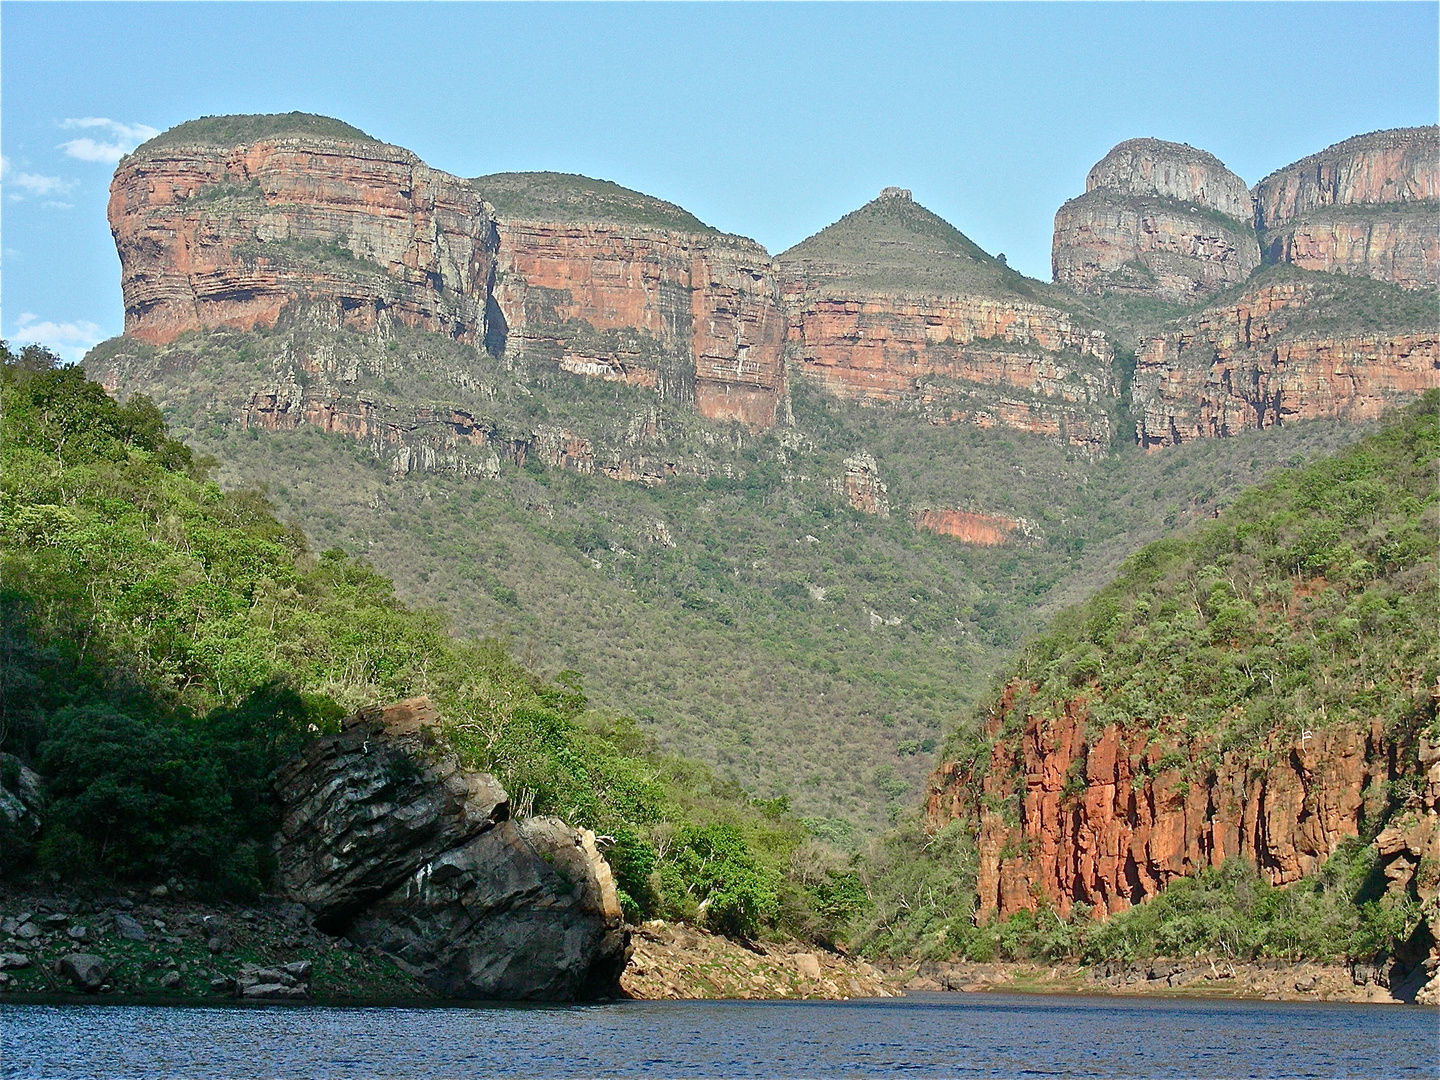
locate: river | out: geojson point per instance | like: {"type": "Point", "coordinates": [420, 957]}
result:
{"type": "Point", "coordinates": [922, 1035]}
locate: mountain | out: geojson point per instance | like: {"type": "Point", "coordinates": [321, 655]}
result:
{"type": "Point", "coordinates": [892, 305]}
{"type": "Point", "coordinates": [791, 514]}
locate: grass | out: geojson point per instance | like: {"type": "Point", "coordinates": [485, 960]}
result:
{"type": "Point", "coordinates": [566, 197]}
{"type": "Point", "coordinates": [239, 130]}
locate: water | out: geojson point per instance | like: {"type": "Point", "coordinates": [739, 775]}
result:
{"type": "Point", "coordinates": [924, 1035]}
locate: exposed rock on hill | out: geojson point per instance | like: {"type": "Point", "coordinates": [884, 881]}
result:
{"type": "Point", "coordinates": [892, 305]}
{"type": "Point", "coordinates": [1369, 205]}
{"type": "Point", "coordinates": [984, 529]}
{"type": "Point", "coordinates": [1157, 218]}
{"type": "Point", "coordinates": [1289, 347]}
{"type": "Point", "coordinates": [228, 226]}
{"type": "Point", "coordinates": [386, 839]}
{"type": "Point", "coordinates": [612, 284]}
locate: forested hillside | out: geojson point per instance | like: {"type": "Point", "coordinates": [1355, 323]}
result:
{"type": "Point", "coordinates": [167, 643]}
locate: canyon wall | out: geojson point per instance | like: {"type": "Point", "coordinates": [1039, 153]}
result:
{"type": "Point", "coordinates": [696, 317]}
{"type": "Point", "coordinates": [1263, 361]}
{"type": "Point", "coordinates": [1157, 218]}
{"type": "Point", "coordinates": [1369, 206]}
{"type": "Point", "coordinates": [211, 235]}
{"type": "Point", "coordinates": [1073, 812]}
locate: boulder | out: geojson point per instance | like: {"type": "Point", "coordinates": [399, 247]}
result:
{"type": "Point", "coordinates": [22, 798]}
{"type": "Point", "coordinates": [387, 840]}
{"type": "Point", "coordinates": [128, 927]}
{"type": "Point", "coordinates": [85, 971]}
{"type": "Point", "coordinates": [365, 807]}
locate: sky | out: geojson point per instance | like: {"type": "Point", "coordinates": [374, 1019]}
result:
{"type": "Point", "coordinates": [768, 120]}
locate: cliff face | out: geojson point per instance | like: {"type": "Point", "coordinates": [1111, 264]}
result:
{"type": "Point", "coordinates": [1157, 218]}
{"type": "Point", "coordinates": [892, 306]}
{"type": "Point", "coordinates": [1070, 814]}
{"type": "Point", "coordinates": [1270, 358]}
{"type": "Point", "coordinates": [695, 317]}
{"type": "Point", "coordinates": [1364, 206]}
{"type": "Point", "coordinates": [213, 235]}
{"type": "Point", "coordinates": [986, 530]}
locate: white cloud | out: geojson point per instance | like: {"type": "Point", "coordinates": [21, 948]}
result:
{"type": "Point", "coordinates": [116, 141]}
{"type": "Point", "coordinates": [70, 341]}
{"type": "Point", "coordinates": [19, 184]}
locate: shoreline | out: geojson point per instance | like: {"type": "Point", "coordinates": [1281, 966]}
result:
{"type": "Point", "coordinates": [163, 949]}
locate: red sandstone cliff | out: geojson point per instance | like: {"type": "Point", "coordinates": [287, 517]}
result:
{"type": "Point", "coordinates": [212, 235]}
{"type": "Point", "coordinates": [987, 530]}
{"type": "Point", "coordinates": [698, 316]}
{"type": "Point", "coordinates": [1157, 218]}
{"type": "Point", "coordinates": [1257, 362]}
{"type": "Point", "coordinates": [1069, 812]}
{"type": "Point", "coordinates": [1369, 205]}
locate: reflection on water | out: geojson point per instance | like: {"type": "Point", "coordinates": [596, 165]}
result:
{"type": "Point", "coordinates": [924, 1035]}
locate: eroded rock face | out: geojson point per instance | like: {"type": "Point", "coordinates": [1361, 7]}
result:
{"type": "Point", "coordinates": [1108, 817]}
{"type": "Point", "coordinates": [1369, 205]}
{"type": "Point", "coordinates": [230, 236]}
{"type": "Point", "coordinates": [986, 530]}
{"type": "Point", "coordinates": [1157, 218]}
{"type": "Point", "coordinates": [386, 839]}
{"type": "Point", "coordinates": [697, 318]}
{"type": "Point", "coordinates": [1254, 364]}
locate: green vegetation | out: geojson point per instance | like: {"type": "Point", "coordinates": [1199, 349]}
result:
{"type": "Point", "coordinates": [746, 643]}
{"type": "Point", "coordinates": [1338, 304]}
{"type": "Point", "coordinates": [565, 197]}
{"type": "Point", "coordinates": [239, 130]}
{"type": "Point", "coordinates": [894, 245]}
{"type": "Point", "coordinates": [167, 644]}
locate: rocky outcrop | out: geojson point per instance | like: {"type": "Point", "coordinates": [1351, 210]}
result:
{"type": "Point", "coordinates": [1368, 206]}
{"type": "Point", "coordinates": [892, 306]}
{"type": "Point", "coordinates": [386, 839]}
{"type": "Point", "coordinates": [1157, 218]}
{"type": "Point", "coordinates": [231, 235]}
{"type": "Point", "coordinates": [863, 488]}
{"type": "Point", "coordinates": [695, 317]}
{"type": "Point", "coordinates": [1073, 812]}
{"type": "Point", "coordinates": [1274, 356]}
{"type": "Point", "coordinates": [22, 800]}
{"type": "Point", "coordinates": [986, 530]}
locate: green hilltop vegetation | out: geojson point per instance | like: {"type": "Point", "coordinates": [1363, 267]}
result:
{"type": "Point", "coordinates": [167, 644]}
{"type": "Point", "coordinates": [565, 197]}
{"type": "Point", "coordinates": [894, 245]}
{"type": "Point", "coordinates": [1309, 602]}
{"type": "Point", "coordinates": [239, 130]}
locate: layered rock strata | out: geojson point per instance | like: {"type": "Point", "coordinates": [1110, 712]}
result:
{"type": "Point", "coordinates": [697, 318]}
{"type": "Point", "coordinates": [1369, 206]}
{"type": "Point", "coordinates": [387, 839]}
{"type": "Point", "coordinates": [1157, 218]}
{"type": "Point", "coordinates": [1068, 812]}
{"type": "Point", "coordinates": [892, 306]}
{"type": "Point", "coordinates": [1262, 361]}
{"type": "Point", "coordinates": [986, 530]}
{"type": "Point", "coordinates": [214, 235]}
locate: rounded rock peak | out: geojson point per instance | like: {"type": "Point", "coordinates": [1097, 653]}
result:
{"type": "Point", "coordinates": [1158, 169]}
{"type": "Point", "coordinates": [896, 193]}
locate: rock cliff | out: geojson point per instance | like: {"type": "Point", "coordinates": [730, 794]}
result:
{"type": "Point", "coordinates": [893, 306]}
{"type": "Point", "coordinates": [1069, 811]}
{"type": "Point", "coordinates": [1289, 347]}
{"type": "Point", "coordinates": [618, 291]}
{"type": "Point", "coordinates": [229, 224]}
{"type": "Point", "coordinates": [1369, 206]}
{"type": "Point", "coordinates": [1157, 218]}
{"type": "Point", "coordinates": [387, 840]}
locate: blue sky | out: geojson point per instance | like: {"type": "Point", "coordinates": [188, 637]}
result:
{"type": "Point", "coordinates": [766, 120]}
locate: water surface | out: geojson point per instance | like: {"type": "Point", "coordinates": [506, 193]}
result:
{"type": "Point", "coordinates": [923, 1035]}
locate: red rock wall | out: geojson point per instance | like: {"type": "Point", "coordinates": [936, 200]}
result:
{"type": "Point", "coordinates": [986, 530]}
{"type": "Point", "coordinates": [213, 237]}
{"type": "Point", "coordinates": [1310, 211]}
{"type": "Point", "coordinates": [1237, 368]}
{"type": "Point", "coordinates": [711, 302]}
{"type": "Point", "coordinates": [1069, 813]}
{"type": "Point", "coordinates": [888, 349]}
